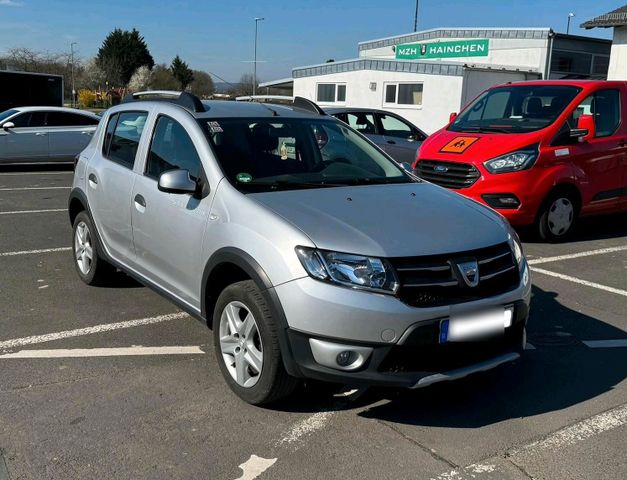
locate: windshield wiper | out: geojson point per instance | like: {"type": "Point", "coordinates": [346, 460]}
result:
{"type": "Point", "coordinates": [487, 129]}
{"type": "Point", "coordinates": [287, 184]}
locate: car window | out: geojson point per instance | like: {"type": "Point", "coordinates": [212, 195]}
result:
{"type": "Point", "coordinates": [66, 119]}
{"type": "Point", "coordinates": [171, 149]}
{"type": "Point", "coordinates": [121, 146]}
{"type": "Point", "coordinates": [30, 120]}
{"type": "Point", "coordinates": [393, 127]}
{"type": "Point", "coordinates": [604, 105]}
{"type": "Point", "coordinates": [362, 122]}
{"type": "Point", "coordinates": [6, 114]}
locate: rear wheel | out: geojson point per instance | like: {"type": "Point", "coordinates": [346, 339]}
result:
{"type": "Point", "coordinates": [247, 345]}
{"type": "Point", "coordinates": [557, 217]}
{"type": "Point", "coordinates": [91, 267]}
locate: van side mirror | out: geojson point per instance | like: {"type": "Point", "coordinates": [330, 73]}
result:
{"type": "Point", "coordinates": [177, 181]}
{"type": "Point", "coordinates": [586, 129]}
{"type": "Point", "coordinates": [8, 125]}
{"type": "Point", "coordinates": [452, 117]}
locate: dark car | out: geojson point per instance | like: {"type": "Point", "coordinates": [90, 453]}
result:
{"type": "Point", "coordinates": [395, 135]}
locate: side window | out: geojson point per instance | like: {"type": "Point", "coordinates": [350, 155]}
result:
{"type": "Point", "coordinates": [393, 127]}
{"type": "Point", "coordinates": [171, 149]}
{"type": "Point", "coordinates": [606, 111]}
{"type": "Point", "coordinates": [124, 137]}
{"type": "Point", "coordinates": [362, 122]}
{"type": "Point", "coordinates": [113, 120]}
{"type": "Point", "coordinates": [66, 119]}
{"type": "Point", "coordinates": [22, 120]}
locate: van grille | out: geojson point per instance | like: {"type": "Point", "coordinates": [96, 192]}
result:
{"type": "Point", "coordinates": [429, 281]}
{"type": "Point", "coordinates": [448, 174]}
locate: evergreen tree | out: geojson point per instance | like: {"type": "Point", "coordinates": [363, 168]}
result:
{"type": "Point", "coordinates": [121, 54]}
{"type": "Point", "coordinates": [182, 72]}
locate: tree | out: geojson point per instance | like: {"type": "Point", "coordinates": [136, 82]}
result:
{"type": "Point", "coordinates": [245, 85]}
{"type": "Point", "coordinates": [121, 53]}
{"type": "Point", "coordinates": [162, 79]}
{"type": "Point", "coordinates": [182, 72]}
{"type": "Point", "coordinates": [202, 85]}
{"type": "Point", "coordinates": [140, 79]}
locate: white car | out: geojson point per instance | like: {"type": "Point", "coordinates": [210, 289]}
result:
{"type": "Point", "coordinates": [44, 134]}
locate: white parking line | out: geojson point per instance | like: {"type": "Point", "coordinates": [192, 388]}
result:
{"type": "Point", "coordinates": [106, 327]}
{"type": "Point", "coordinates": [18, 212]}
{"type": "Point", "coordinates": [17, 174]}
{"type": "Point", "coordinates": [32, 188]}
{"type": "Point", "coordinates": [568, 278]}
{"type": "Point", "coordinates": [605, 343]}
{"type": "Point", "coordinates": [35, 252]}
{"type": "Point", "coordinates": [304, 427]}
{"type": "Point", "coordinates": [600, 251]}
{"type": "Point", "coordinates": [255, 466]}
{"type": "Point", "coordinates": [104, 352]}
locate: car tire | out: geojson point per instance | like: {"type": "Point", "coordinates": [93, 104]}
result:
{"type": "Point", "coordinates": [94, 270]}
{"type": "Point", "coordinates": [557, 217]}
{"type": "Point", "coordinates": [247, 345]}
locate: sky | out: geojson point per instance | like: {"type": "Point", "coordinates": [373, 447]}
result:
{"type": "Point", "coordinates": [218, 36]}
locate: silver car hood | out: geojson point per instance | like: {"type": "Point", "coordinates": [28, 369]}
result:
{"type": "Point", "coordinates": [388, 220]}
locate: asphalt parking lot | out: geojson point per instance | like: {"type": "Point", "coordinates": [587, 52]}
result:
{"type": "Point", "coordinates": [116, 383]}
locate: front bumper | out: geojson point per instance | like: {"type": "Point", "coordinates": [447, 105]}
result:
{"type": "Point", "coordinates": [404, 340]}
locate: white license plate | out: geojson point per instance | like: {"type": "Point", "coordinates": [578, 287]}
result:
{"type": "Point", "coordinates": [475, 326]}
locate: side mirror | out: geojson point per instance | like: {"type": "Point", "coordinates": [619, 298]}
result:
{"type": "Point", "coordinates": [8, 125]}
{"type": "Point", "coordinates": [586, 129]}
{"type": "Point", "coordinates": [177, 181]}
{"type": "Point", "coordinates": [452, 117]}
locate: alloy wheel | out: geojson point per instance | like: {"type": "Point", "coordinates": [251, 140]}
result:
{"type": "Point", "coordinates": [83, 248]}
{"type": "Point", "coordinates": [560, 216]}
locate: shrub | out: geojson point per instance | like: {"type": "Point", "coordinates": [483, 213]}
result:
{"type": "Point", "coordinates": [86, 98]}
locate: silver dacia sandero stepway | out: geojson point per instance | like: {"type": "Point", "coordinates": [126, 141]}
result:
{"type": "Point", "coordinates": [307, 250]}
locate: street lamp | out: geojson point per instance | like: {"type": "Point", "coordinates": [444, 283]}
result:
{"type": "Point", "coordinates": [257, 20]}
{"type": "Point", "coordinates": [73, 86]}
{"type": "Point", "coordinates": [416, 16]}
{"type": "Point", "coordinates": [570, 15]}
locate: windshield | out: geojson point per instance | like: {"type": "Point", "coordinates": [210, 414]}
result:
{"type": "Point", "coordinates": [6, 114]}
{"type": "Point", "coordinates": [269, 154]}
{"type": "Point", "coordinates": [515, 109]}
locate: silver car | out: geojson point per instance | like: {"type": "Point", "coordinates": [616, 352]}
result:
{"type": "Point", "coordinates": [308, 251]}
{"type": "Point", "coordinates": [44, 134]}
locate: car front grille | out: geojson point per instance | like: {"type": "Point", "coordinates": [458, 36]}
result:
{"type": "Point", "coordinates": [430, 281]}
{"type": "Point", "coordinates": [447, 174]}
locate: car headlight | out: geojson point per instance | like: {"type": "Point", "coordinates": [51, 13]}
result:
{"type": "Point", "coordinates": [514, 161]}
{"type": "Point", "coordinates": [516, 246]}
{"type": "Point", "coordinates": [354, 271]}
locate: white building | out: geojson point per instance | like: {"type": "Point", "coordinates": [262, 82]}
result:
{"type": "Point", "coordinates": [424, 76]}
{"type": "Point", "coordinates": [618, 56]}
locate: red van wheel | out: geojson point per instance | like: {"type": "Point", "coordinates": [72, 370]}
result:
{"type": "Point", "coordinates": [557, 217]}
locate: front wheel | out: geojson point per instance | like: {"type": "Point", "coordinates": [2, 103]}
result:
{"type": "Point", "coordinates": [557, 217]}
{"type": "Point", "coordinates": [247, 345]}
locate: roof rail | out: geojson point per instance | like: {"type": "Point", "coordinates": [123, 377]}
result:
{"type": "Point", "coordinates": [257, 98]}
{"type": "Point", "coordinates": [184, 99]}
{"type": "Point", "coordinates": [305, 104]}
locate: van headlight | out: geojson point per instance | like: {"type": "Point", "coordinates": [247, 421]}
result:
{"type": "Point", "coordinates": [514, 161]}
{"type": "Point", "coordinates": [356, 271]}
{"type": "Point", "coordinates": [516, 246]}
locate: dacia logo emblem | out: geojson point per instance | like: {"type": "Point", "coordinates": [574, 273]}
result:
{"type": "Point", "coordinates": [467, 272]}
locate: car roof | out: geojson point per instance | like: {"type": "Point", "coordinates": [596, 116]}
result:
{"type": "Point", "coordinates": [334, 110]}
{"type": "Point", "coordinates": [55, 109]}
{"type": "Point", "coordinates": [225, 108]}
{"type": "Point", "coordinates": [570, 83]}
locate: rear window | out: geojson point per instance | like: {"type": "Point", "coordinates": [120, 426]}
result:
{"type": "Point", "coordinates": [515, 109]}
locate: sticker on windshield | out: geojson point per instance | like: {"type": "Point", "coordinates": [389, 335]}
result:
{"type": "Point", "coordinates": [244, 177]}
{"type": "Point", "coordinates": [214, 127]}
{"type": "Point", "coordinates": [459, 144]}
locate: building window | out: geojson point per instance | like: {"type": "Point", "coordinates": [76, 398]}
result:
{"type": "Point", "coordinates": [331, 93]}
{"type": "Point", "coordinates": [403, 94]}
{"type": "Point", "coordinates": [563, 61]}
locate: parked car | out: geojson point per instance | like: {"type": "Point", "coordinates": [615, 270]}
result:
{"type": "Point", "coordinates": [279, 227]}
{"type": "Point", "coordinates": [392, 133]}
{"type": "Point", "coordinates": [44, 134]}
{"type": "Point", "coordinates": [541, 153]}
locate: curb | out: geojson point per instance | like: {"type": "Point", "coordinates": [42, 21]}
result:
{"type": "Point", "coordinates": [4, 473]}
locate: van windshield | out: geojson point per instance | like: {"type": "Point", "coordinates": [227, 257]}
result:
{"type": "Point", "coordinates": [515, 109]}
{"type": "Point", "coordinates": [267, 154]}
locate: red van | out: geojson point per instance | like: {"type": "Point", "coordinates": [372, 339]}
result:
{"type": "Point", "coordinates": [541, 153]}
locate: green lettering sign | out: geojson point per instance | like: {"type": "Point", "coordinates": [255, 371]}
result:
{"type": "Point", "coordinates": [461, 48]}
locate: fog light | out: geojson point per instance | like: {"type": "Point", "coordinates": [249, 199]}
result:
{"type": "Point", "coordinates": [345, 358]}
{"type": "Point", "coordinates": [502, 200]}
{"type": "Point", "coordinates": [508, 317]}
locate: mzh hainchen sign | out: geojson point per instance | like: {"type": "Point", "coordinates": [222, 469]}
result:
{"type": "Point", "coordinates": [460, 48]}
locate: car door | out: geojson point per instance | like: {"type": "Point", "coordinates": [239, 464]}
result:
{"type": "Point", "coordinates": [168, 228]}
{"type": "Point", "coordinates": [27, 141]}
{"type": "Point", "coordinates": [110, 180]}
{"type": "Point", "coordinates": [68, 134]}
{"type": "Point", "coordinates": [365, 123]}
{"type": "Point", "coordinates": [600, 161]}
{"type": "Point", "coordinates": [401, 138]}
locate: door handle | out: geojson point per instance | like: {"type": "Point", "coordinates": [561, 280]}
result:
{"type": "Point", "coordinates": [391, 142]}
{"type": "Point", "coordinates": [86, 133]}
{"type": "Point", "coordinates": [40, 134]}
{"type": "Point", "coordinates": [93, 181]}
{"type": "Point", "coordinates": [139, 200]}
